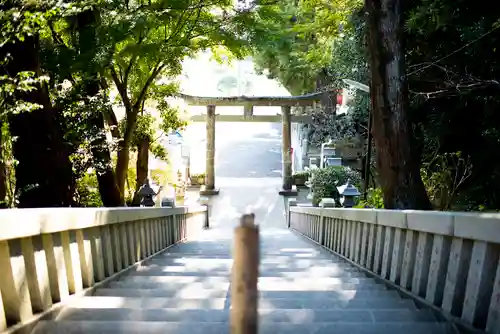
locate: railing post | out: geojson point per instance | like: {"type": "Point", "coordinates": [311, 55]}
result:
{"type": "Point", "coordinates": [245, 275]}
{"type": "Point", "coordinates": [325, 203]}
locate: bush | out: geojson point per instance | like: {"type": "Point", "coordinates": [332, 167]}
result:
{"type": "Point", "coordinates": [300, 178]}
{"type": "Point", "coordinates": [375, 199]}
{"type": "Point", "coordinates": [87, 191]}
{"type": "Point", "coordinates": [325, 181]}
{"type": "Point", "coordinates": [303, 173]}
{"type": "Point", "coordinates": [197, 179]}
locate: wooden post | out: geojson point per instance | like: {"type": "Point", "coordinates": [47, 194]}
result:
{"type": "Point", "coordinates": [245, 275]}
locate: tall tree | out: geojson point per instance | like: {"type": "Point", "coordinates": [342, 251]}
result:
{"type": "Point", "coordinates": [398, 162]}
{"type": "Point", "coordinates": [151, 40]}
{"type": "Point", "coordinates": [86, 28]}
{"type": "Point", "coordinates": [43, 170]}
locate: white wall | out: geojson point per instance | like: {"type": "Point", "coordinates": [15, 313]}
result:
{"type": "Point", "coordinates": [297, 144]}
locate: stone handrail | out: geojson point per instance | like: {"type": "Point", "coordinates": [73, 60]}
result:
{"type": "Point", "coordinates": [47, 255]}
{"type": "Point", "coordinates": [446, 260]}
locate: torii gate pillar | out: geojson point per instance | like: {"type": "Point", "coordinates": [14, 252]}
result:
{"type": "Point", "coordinates": [209, 188]}
{"type": "Point", "coordinates": [286, 150]}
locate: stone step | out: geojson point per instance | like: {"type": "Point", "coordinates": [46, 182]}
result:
{"type": "Point", "coordinates": [300, 281]}
{"type": "Point", "coordinates": [135, 327]}
{"type": "Point", "coordinates": [204, 254]}
{"type": "Point", "coordinates": [265, 246]}
{"type": "Point", "coordinates": [290, 273]}
{"type": "Point", "coordinates": [367, 316]}
{"type": "Point", "coordinates": [284, 285]}
{"type": "Point", "coordinates": [208, 265]}
{"type": "Point", "coordinates": [389, 302]}
{"type": "Point", "coordinates": [197, 263]}
{"type": "Point", "coordinates": [229, 259]}
{"type": "Point", "coordinates": [210, 293]}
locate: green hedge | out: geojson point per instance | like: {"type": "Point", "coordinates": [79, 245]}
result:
{"type": "Point", "coordinates": [325, 181]}
{"type": "Point", "coordinates": [300, 178]}
{"type": "Point", "coordinates": [197, 179]}
{"type": "Point", "coordinates": [304, 173]}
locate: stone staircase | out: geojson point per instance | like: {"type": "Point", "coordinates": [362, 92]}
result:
{"type": "Point", "coordinates": [303, 289]}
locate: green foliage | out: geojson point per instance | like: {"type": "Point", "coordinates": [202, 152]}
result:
{"type": "Point", "coordinates": [160, 176]}
{"type": "Point", "coordinates": [87, 191]}
{"type": "Point", "coordinates": [198, 179]}
{"type": "Point", "coordinates": [325, 181]}
{"type": "Point", "coordinates": [144, 128]}
{"type": "Point", "coordinates": [297, 45]}
{"type": "Point", "coordinates": [170, 118]}
{"type": "Point", "coordinates": [9, 163]}
{"type": "Point", "coordinates": [444, 176]}
{"type": "Point", "coordinates": [138, 47]}
{"type": "Point", "coordinates": [303, 174]}
{"type": "Point", "coordinates": [447, 85]}
{"type": "Point", "coordinates": [147, 125]}
{"type": "Point", "coordinates": [151, 40]}
{"type": "Point", "coordinates": [11, 86]}
{"type": "Point", "coordinates": [374, 200]}
{"type": "Point", "coordinates": [16, 24]}
{"type": "Point", "coordinates": [300, 178]}
{"type": "Point", "coordinates": [78, 111]}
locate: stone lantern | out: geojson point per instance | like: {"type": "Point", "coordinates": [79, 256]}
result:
{"type": "Point", "coordinates": [146, 194]}
{"type": "Point", "coordinates": [348, 193]}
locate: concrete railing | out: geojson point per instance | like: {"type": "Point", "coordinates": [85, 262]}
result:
{"type": "Point", "coordinates": [447, 260]}
{"type": "Point", "coordinates": [47, 255]}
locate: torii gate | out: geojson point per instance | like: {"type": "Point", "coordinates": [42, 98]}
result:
{"type": "Point", "coordinates": [248, 102]}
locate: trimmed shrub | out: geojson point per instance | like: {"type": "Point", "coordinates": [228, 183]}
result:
{"type": "Point", "coordinates": [197, 179]}
{"type": "Point", "coordinates": [300, 178]}
{"type": "Point", "coordinates": [325, 181]}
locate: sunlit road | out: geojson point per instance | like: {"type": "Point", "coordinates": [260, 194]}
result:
{"type": "Point", "coordinates": [248, 171]}
{"type": "Point", "coordinates": [245, 150]}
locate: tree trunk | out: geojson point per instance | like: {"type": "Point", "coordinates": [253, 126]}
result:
{"type": "Point", "coordinates": [123, 156]}
{"type": "Point", "coordinates": [142, 164]}
{"type": "Point", "coordinates": [108, 186]}
{"type": "Point", "coordinates": [44, 175]}
{"type": "Point", "coordinates": [3, 173]}
{"type": "Point", "coordinates": [106, 178]}
{"type": "Point", "coordinates": [142, 167]}
{"type": "Point", "coordinates": [397, 160]}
